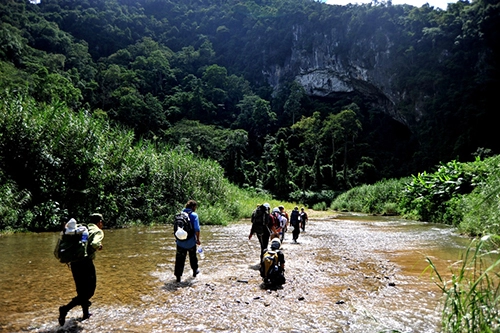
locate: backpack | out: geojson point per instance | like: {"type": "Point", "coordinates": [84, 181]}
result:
{"type": "Point", "coordinates": [259, 219]}
{"type": "Point", "coordinates": [294, 218]}
{"type": "Point", "coordinates": [269, 264]}
{"type": "Point", "coordinates": [71, 246]}
{"type": "Point", "coordinates": [183, 221]}
{"type": "Point", "coordinates": [277, 220]}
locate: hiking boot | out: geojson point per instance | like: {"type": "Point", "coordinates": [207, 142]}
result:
{"type": "Point", "coordinates": [62, 315]}
{"type": "Point", "coordinates": [196, 273]}
{"type": "Point", "coordinates": [178, 278]}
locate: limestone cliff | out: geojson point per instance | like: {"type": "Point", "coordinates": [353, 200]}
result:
{"type": "Point", "coordinates": [333, 65]}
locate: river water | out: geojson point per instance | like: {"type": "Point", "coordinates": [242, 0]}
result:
{"type": "Point", "coordinates": [348, 273]}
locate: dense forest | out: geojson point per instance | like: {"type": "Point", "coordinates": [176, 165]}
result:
{"type": "Point", "coordinates": [227, 81]}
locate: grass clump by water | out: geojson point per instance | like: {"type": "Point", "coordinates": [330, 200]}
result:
{"type": "Point", "coordinates": [472, 295]}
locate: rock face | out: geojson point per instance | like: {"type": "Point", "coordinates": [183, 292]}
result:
{"type": "Point", "coordinates": [330, 66]}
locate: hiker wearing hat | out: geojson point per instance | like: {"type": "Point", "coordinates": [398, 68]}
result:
{"type": "Point", "coordinates": [188, 245]}
{"type": "Point", "coordinates": [284, 213]}
{"type": "Point", "coordinates": [83, 270]}
{"type": "Point", "coordinates": [279, 224]}
{"type": "Point", "coordinates": [272, 268]}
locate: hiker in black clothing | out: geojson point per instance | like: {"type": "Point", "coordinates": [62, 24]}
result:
{"type": "Point", "coordinates": [261, 226]}
{"type": "Point", "coordinates": [295, 223]}
{"type": "Point", "coordinates": [84, 271]}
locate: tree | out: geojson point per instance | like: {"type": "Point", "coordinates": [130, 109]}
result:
{"type": "Point", "coordinates": [292, 104]}
{"type": "Point", "coordinates": [256, 116]}
{"type": "Point", "coordinates": [348, 127]}
{"type": "Point", "coordinates": [236, 144]}
{"type": "Point", "coordinates": [309, 128]}
{"type": "Point", "coordinates": [332, 130]}
{"type": "Point", "coordinates": [282, 177]}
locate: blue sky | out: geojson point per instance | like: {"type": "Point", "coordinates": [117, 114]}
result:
{"type": "Point", "coordinates": [417, 3]}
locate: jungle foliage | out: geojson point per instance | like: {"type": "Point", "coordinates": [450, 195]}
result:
{"type": "Point", "coordinates": [462, 194]}
{"type": "Point", "coordinates": [58, 164]}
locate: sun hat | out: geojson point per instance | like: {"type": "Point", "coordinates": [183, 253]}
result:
{"type": "Point", "coordinates": [275, 243]}
{"type": "Point", "coordinates": [276, 210]}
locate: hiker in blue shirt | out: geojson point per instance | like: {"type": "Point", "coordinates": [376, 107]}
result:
{"type": "Point", "coordinates": [188, 245]}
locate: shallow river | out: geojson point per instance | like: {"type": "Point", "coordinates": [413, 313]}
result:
{"type": "Point", "coordinates": [348, 273]}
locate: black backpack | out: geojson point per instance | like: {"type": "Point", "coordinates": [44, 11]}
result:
{"type": "Point", "coordinates": [260, 219]}
{"type": "Point", "coordinates": [183, 221]}
{"type": "Point", "coordinates": [294, 218]}
{"type": "Point", "coordinates": [71, 247]}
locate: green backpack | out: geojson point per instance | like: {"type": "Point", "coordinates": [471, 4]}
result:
{"type": "Point", "coordinates": [71, 246]}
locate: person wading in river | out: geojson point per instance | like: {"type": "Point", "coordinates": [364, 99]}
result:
{"type": "Point", "coordinates": [84, 271]}
{"type": "Point", "coordinates": [295, 223]}
{"type": "Point", "coordinates": [303, 219]}
{"type": "Point", "coordinates": [261, 225]}
{"type": "Point", "coordinates": [272, 268]}
{"type": "Point", "coordinates": [285, 214]}
{"type": "Point", "coordinates": [188, 245]}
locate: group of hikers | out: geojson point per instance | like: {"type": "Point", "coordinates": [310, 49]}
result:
{"type": "Point", "coordinates": [271, 226]}
{"type": "Point", "coordinates": [79, 242]}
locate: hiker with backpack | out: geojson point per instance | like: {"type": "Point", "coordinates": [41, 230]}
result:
{"type": "Point", "coordinates": [303, 219]}
{"type": "Point", "coordinates": [295, 223]}
{"type": "Point", "coordinates": [88, 240]}
{"type": "Point", "coordinates": [261, 226]}
{"type": "Point", "coordinates": [285, 215]}
{"type": "Point", "coordinates": [187, 240]}
{"type": "Point", "coordinates": [279, 224]}
{"type": "Point", "coordinates": [272, 268]}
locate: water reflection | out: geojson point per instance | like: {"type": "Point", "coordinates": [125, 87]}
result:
{"type": "Point", "coordinates": [348, 273]}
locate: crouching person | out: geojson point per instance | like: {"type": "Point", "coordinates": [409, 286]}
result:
{"type": "Point", "coordinates": [272, 268]}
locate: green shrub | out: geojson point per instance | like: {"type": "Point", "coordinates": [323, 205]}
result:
{"type": "Point", "coordinates": [432, 196]}
{"type": "Point", "coordinates": [482, 206]}
{"type": "Point", "coordinates": [320, 206]}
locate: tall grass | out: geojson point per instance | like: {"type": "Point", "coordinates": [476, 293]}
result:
{"type": "Point", "coordinates": [472, 295]}
{"type": "Point", "coordinates": [56, 163]}
{"type": "Point", "coordinates": [380, 198]}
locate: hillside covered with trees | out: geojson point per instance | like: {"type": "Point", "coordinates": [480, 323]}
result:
{"type": "Point", "coordinates": [218, 79]}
